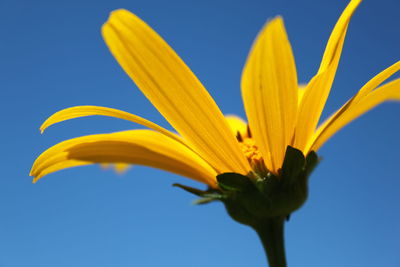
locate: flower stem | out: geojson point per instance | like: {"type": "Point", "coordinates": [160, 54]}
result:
{"type": "Point", "coordinates": [271, 235]}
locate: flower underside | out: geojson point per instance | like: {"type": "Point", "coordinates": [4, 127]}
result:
{"type": "Point", "coordinates": [280, 113]}
{"type": "Point", "coordinates": [262, 195]}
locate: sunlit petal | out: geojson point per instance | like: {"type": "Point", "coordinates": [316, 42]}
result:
{"type": "Point", "coordinates": [317, 91]}
{"type": "Point", "coordinates": [144, 147]}
{"type": "Point", "coordinates": [364, 91]}
{"type": "Point", "coordinates": [389, 91]}
{"type": "Point", "coordinates": [237, 125]}
{"type": "Point", "coordinates": [269, 89]}
{"type": "Point", "coordinates": [300, 93]}
{"type": "Point", "coordinates": [376, 81]}
{"type": "Point", "coordinates": [173, 89]}
{"type": "Point", "coordinates": [83, 111]}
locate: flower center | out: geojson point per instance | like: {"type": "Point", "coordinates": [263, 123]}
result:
{"type": "Point", "coordinates": [251, 151]}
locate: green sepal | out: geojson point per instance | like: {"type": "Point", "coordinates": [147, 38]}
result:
{"type": "Point", "coordinates": [260, 197]}
{"type": "Point", "coordinates": [293, 165]}
{"type": "Point", "coordinates": [208, 198]}
{"type": "Point", "coordinates": [263, 196]}
{"type": "Point", "coordinates": [264, 200]}
{"type": "Point", "coordinates": [192, 190]}
{"type": "Point", "coordinates": [312, 161]}
{"type": "Point", "coordinates": [231, 181]}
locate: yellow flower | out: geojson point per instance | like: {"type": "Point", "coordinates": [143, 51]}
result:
{"type": "Point", "coordinates": [280, 112]}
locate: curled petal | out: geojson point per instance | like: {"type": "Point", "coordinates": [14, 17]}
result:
{"type": "Point", "coordinates": [83, 111]}
{"type": "Point", "coordinates": [317, 90]}
{"type": "Point", "coordinates": [144, 147]}
{"type": "Point", "coordinates": [387, 92]}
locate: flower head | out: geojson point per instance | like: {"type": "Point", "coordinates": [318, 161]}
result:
{"type": "Point", "coordinates": [280, 113]}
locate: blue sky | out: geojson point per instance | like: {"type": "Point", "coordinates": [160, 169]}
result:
{"type": "Point", "coordinates": [52, 56]}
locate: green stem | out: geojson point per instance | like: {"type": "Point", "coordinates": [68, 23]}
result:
{"type": "Point", "coordinates": [271, 234]}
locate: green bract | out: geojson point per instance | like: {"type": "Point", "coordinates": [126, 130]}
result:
{"type": "Point", "coordinates": [249, 199]}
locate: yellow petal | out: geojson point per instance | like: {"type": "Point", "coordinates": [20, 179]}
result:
{"type": "Point", "coordinates": [335, 42]}
{"type": "Point", "coordinates": [237, 125]}
{"type": "Point", "coordinates": [269, 89]}
{"type": "Point", "coordinates": [144, 147]}
{"type": "Point", "coordinates": [389, 91]}
{"type": "Point", "coordinates": [364, 91]}
{"type": "Point", "coordinates": [174, 90]}
{"type": "Point", "coordinates": [310, 109]}
{"type": "Point", "coordinates": [317, 91]}
{"type": "Point", "coordinates": [83, 111]}
{"type": "Point", "coordinates": [300, 93]}
{"type": "Point", "coordinates": [62, 164]}
{"type": "Point", "coordinates": [376, 81]}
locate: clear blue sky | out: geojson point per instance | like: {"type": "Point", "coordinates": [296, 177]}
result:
{"type": "Point", "coordinates": [52, 56]}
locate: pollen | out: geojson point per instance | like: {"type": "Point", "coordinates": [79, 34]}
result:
{"type": "Point", "coordinates": [251, 151]}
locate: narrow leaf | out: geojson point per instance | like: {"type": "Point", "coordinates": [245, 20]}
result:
{"type": "Point", "coordinates": [192, 190]}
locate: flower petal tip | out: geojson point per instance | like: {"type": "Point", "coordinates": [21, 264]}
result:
{"type": "Point", "coordinates": [119, 11]}
{"type": "Point", "coordinates": [119, 14]}
{"type": "Point", "coordinates": [35, 177]}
